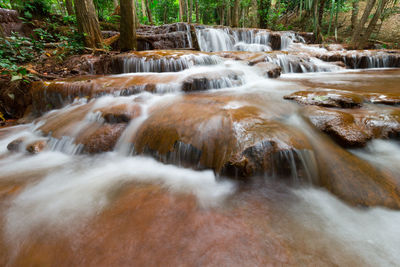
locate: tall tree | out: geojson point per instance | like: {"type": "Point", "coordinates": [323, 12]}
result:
{"type": "Point", "coordinates": [362, 38]}
{"type": "Point", "coordinates": [358, 29]}
{"type": "Point", "coordinates": [127, 39]}
{"type": "Point", "coordinates": [354, 13]}
{"type": "Point", "coordinates": [236, 13]}
{"type": "Point", "coordinates": [148, 11]}
{"type": "Point", "coordinates": [70, 8]}
{"type": "Point", "coordinates": [88, 23]}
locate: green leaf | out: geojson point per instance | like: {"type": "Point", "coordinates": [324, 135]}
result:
{"type": "Point", "coordinates": [16, 77]}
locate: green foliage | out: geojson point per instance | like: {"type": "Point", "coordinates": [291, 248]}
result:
{"type": "Point", "coordinates": [32, 8]}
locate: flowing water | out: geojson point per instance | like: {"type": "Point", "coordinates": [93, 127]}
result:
{"type": "Point", "coordinates": [164, 193]}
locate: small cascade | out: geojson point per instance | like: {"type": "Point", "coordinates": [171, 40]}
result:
{"type": "Point", "coordinates": [251, 40]}
{"type": "Point", "coordinates": [288, 38]}
{"type": "Point", "coordinates": [301, 64]}
{"type": "Point", "coordinates": [225, 39]}
{"type": "Point", "coordinates": [214, 40]}
{"type": "Point", "coordinates": [173, 63]}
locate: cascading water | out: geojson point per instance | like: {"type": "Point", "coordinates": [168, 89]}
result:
{"type": "Point", "coordinates": [206, 163]}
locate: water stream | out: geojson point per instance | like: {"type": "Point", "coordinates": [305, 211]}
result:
{"type": "Point", "coordinates": [156, 177]}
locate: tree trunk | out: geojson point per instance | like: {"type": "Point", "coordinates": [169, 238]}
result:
{"type": "Point", "coordinates": [359, 29]}
{"type": "Point", "coordinates": [321, 12]}
{"type": "Point", "coordinates": [127, 39]}
{"type": "Point", "coordinates": [88, 24]}
{"type": "Point", "coordinates": [265, 6]}
{"type": "Point", "coordinates": [70, 7]}
{"type": "Point", "coordinates": [253, 14]}
{"type": "Point", "coordinates": [181, 8]}
{"type": "Point", "coordinates": [354, 13]}
{"type": "Point", "coordinates": [165, 17]}
{"type": "Point", "coordinates": [222, 15]}
{"type": "Point", "coordinates": [144, 13]}
{"type": "Point", "coordinates": [148, 11]}
{"type": "Point", "coordinates": [190, 11]}
{"type": "Point", "coordinates": [115, 2]}
{"type": "Point", "coordinates": [317, 34]}
{"type": "Point", "coordinates": [372, 24]}
{"type": "Point", "coordinates": [228, 14]}
{"type": "Point", "coordinates": [236, 14]}
{"type": "Point", "coordinates": [197, 11]}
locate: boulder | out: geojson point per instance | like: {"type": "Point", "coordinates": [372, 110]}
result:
{"type": "Point", "coordinates": [354, 128]}
{"type": "Point", "coordinates": [269, 69]}
{"type": "Point", "coordinates": [202, 132]}
{"type": "Point", "coordinates": [338, 99]}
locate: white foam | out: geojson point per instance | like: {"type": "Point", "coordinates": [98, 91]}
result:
{"type": "Point", "coordinates": [70, 195]}
{"type": "Point", "coordinates": [372, 234]}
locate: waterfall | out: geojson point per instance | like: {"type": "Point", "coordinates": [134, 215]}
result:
{"type": "Point", "coordinates": [224, 39]}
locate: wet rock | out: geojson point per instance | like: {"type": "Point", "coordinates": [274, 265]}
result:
{"type": "Point", "coordinates": [15, 145]}
{"type": "Point", "coordinates": [36, 147]}
{"type": "Point", "coordinates": [353, 128]}
{"type": "Point", "coordinates": [251, 58]}
{"type": "Point", "coordinates": [236, 142]}
{"type": "Point", "coordinates": [269, 69]}
{"type": "Point", "coordinates": [336, 99]}
{"type": "Point", "coordinates": [362, 59]}
{"type": "Point", "coordinates": [387, 99]}
{"type": "Point", "coordinates": [58, 93]}
{"type": "Point", "coordinates": [103, 139]}
{"type": "Point", "coordinates": [120, 113]}
{"type": "Point", "coordinates": [15, 98]}
{"type": "Point", "coordinates": [168, 36]}
{"type": "Point", "coordinates": [352, 179]}
{"type": "Point", "coordinates": [341, 126]}
{"type": "Point", "coordinates": [212, 80]}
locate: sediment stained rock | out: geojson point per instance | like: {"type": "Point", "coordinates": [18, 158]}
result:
{"type": "Point", "coordinates": [327, 98]}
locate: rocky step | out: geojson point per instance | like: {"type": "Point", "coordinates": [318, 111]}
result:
{"type": "Point", "coordinates": [235, 139]}
{"type": "Point", "coordinates": [58, 93]}
{"type": "Point", "coordinates": [139, 61]}
{"type": "Point", "coordinates": [355, 127]}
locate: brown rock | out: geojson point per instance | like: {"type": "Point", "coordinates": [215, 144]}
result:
{"type": "Point", "coordinates": [269, 69]}
{"type": "Point", "coordinates": [339, 125]}
{"type": "Point", "coordinates": [199, 132]}
{"type": "Point", "coordinates": [36, 147]}
{"type": "Point", "coordinates": [103, 139]}
{"type": "Point", "coordinates": [336, 99]}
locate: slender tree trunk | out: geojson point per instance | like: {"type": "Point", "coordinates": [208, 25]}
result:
{"type": "Point", "coordinates": [127, 39]}
{"type": "Point", "coordinates": [116, 4]}
{"type": "Point", "coordinates": [70, 7]}
{"type": "Point", "coordinates": [165, 18]}
{"type": "Point", "coordinates": [265, 6]}
{"type": "Point", "coordinates": [222, 15]}
{"type": "Point", "coordinates": [359, 29]}
{"type": "Point", "coordinates": [148, 11]}
{"type": "Point", "coordinates": [372, 24]}
{"type": "Point", "coordinates": [354, 13]}
{"type": "Point", "coordinates": [228, 14]}
{"type": "Point", "coordinates": [236, 13]}
{"type": "Point", "coordinates": [88, 23]}
{"type": "Point", "coordinates": [321, 12]}
{"type": "Point", "coordinates": [197, 11]}
{"type": "Point", "coordinates": [181, 8]}
{"type": "Point", "coordinates": [253, 14]}
{"type": "Point", "coordinates": [190, 11]}
{"type": "Point", "coordinates": [144, 13]}
{"type": "Point", "coordinates": [316, 23]}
